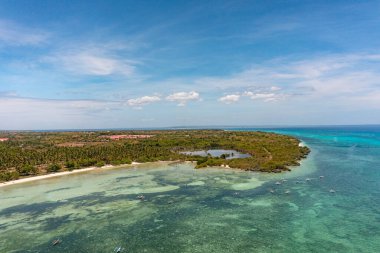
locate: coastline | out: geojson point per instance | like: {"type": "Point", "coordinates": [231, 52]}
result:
{"type": "Point", "coordinates": [109, 166]}
{"type": "Point", "coordinates": [63, 173]}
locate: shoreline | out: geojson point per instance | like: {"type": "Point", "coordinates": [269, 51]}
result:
{"type": "Point", "coordinates": [109, 166]}
{"type": "Point", "coordinates": [64, 173]}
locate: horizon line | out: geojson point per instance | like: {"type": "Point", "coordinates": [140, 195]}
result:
{"type": "Point", "coordinates": [186, 127]}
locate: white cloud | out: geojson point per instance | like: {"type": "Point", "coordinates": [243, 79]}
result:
{"type": "Point", "coordinates": [229, 99]}
{"type": "Point", "coordinates": [275, 88]}
{"type": "Point", "coordinates": [96, 63]}
{"type": "Point", "coordinates": [145, 100]}
{"type": "Point", "coordinates": [266, 97]}
{"type": "Point", "coordinates": [183, 97]}
{"type": "Point", "coordinates": [340, 78]}
{"type": "Point", "coordinates": [15, 35]}
{"type": "Point", "coordinates": [280, 74]}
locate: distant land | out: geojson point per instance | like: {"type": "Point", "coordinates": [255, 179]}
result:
{"type": "Point", "coordinates": [204, 127]}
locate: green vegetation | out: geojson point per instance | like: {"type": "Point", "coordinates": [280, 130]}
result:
{"type": "Point", "coordinates": [70, 165]}
{"type": "Point", "coordinates": [9, 175]}
{"type": "Point", "coordinates": [27, 170]}
{"type": "Point", "coordinates": [100, 164]}
{"type": "Point", "coordinates": [32, 153]}
{"type": "Point", "coordinates": [54, 168]}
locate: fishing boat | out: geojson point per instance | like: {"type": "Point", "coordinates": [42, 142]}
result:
{"type": "Point", "coordinates": [56, 242]}
{"type": "Point", "coordinates": [118, 249]}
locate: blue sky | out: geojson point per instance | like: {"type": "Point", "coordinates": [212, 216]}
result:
{"type": "Point", "coordinates": [122, 64]}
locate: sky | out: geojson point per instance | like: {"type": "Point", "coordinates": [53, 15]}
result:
{"type": "Point", "coordinates": [141, 64]}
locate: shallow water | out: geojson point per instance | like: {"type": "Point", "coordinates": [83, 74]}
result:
{"type": "Point", "coordinates": [209, 210]}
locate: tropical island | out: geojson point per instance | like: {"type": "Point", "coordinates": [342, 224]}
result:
{"type": "Point", "coordinates": [25, 154]}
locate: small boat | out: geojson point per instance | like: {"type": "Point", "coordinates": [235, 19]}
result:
{"type": "Point", "coordinates": [141, 197]}
{"type": "Point", "coordinates": [56, 242]}
{"type": "Point", "coordinates": [284, 180]}
{"type": "Point", "coordinates": [278, 183]}
{"type": "Point", "coordinates": [308, 179]}
{"type": "Point", "coordinates": [118, 249]}
{"type": "Point", "coordinates": [271, 191]}
{"type": "Point", "coordinates": [287, 192]}
{"type": "Point", "coordinates": [332, 191]}
{"type": "Point", "coordinates": [321, 177]}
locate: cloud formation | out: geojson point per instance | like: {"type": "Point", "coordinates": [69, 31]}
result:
{"type": "Point", "coordinates": [141, 101]}
{"type": "Point", "coordinates": [342, 78]}
{"type": "Point", "coordinates": [229, 99]}
{"type": "Point", "coordinates": [266, 97]}
{"type": "Point", "coordinates": [95, 63]}
{"type": "Point", "coordinates": [13, 34]}
{"type": "Point", "coordinates": [183, 97]}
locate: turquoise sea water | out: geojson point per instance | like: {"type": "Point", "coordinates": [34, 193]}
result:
{"type": "Point", "coordinates": [211, 210]}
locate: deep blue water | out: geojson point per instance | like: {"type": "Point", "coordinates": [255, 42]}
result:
{"type": "Point", "coordinates": [188, 210]}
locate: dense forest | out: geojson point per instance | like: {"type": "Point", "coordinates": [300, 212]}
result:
{"type": "Point", "coordinates": [32, 153]}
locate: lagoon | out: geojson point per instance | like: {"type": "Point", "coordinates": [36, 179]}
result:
{"type": "Point", "coordinates": [230, 154]}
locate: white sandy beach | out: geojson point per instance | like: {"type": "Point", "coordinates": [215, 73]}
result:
{"type": "Point", "coordinates": [30, 179]}
{"type": "Point", "coordinates": [63, 173]}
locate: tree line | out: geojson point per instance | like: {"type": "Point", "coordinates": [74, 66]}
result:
{"type": "Point", "coordinates": [33, 153]}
